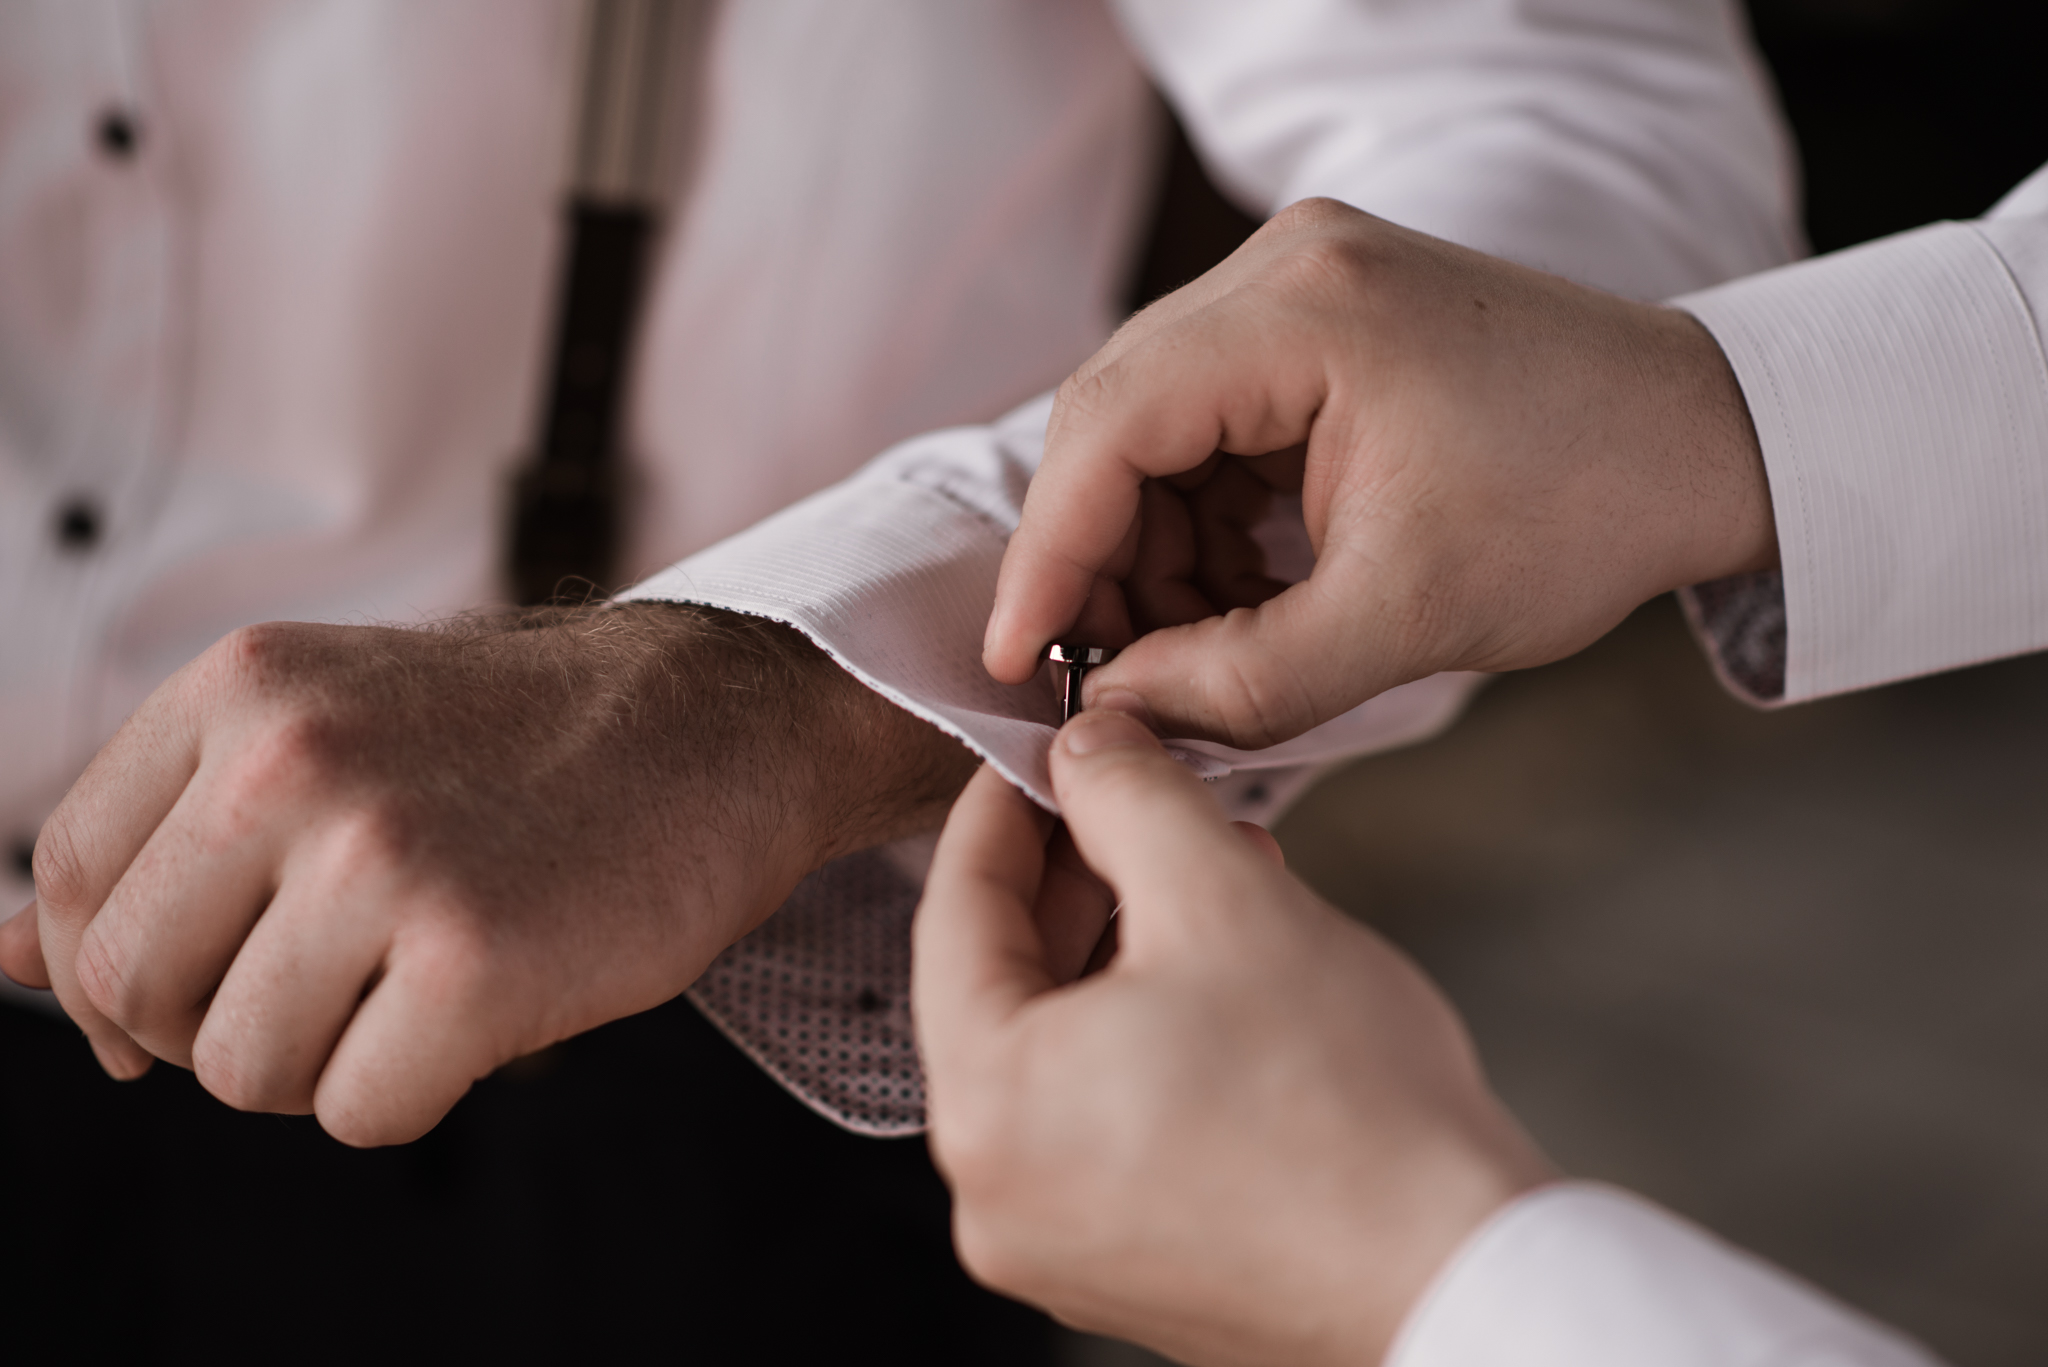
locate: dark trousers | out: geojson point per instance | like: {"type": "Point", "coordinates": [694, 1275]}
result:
{"type": "Point", "coordinates": [640, 1191]}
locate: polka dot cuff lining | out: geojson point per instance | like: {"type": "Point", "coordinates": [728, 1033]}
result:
{"type": "Point", "coordinates": [819, 996]}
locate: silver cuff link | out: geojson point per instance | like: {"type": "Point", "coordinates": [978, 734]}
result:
{"type": "Point", "coordinates": [1078, 660]}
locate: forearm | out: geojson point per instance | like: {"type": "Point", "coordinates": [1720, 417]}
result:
{"type": "Point", "coordinates": [867, 771]}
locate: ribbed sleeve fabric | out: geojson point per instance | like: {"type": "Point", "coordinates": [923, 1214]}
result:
{"type": "Point", "coordinates": [1901, 398]}
{"type": "Point", "coordinates": [1584, 1275]}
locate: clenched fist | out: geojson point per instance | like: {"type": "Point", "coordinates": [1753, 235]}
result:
{"type": "Point", "coordinates": [350, 870]}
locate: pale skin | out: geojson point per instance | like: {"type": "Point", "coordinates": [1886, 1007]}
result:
{"type": "Point", "coordinates": [1496, 466]}
{"type": "Point", "coordinates": [1252, 1138]}
{"type": "Point", "coordinates": [351, 870]}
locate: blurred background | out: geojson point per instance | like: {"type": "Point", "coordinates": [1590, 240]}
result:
{"type": "Point", "coordinates": [1786, 973]}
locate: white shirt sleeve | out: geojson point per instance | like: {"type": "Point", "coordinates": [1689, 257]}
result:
{"type": "Point", "coordinates": [1583, 1275]}
{"type": "Point", "coordinates": [1900, 397]}
{"type": "Point", "coordinates": [1628, 144]}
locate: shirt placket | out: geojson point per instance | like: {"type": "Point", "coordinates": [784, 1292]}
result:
{"type": "Point", "coordinates": [94, 463]}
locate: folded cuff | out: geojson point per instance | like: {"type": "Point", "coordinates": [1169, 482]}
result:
{"type": "Point", "coordinates": [1901, 399]}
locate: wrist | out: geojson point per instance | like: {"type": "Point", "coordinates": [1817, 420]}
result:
{"type": "Point", "coordinates": [1721, 492]}
{"type": "Point", "coordinates": [1456, 1189]}
{"type": "Point", "coordinates": [811, 763]}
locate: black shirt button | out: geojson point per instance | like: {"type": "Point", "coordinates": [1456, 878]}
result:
{"type": "Point", "coordinates": [118, 134]}
{"type": "Point", "coordinates": [21, 855]}
{"type": "Point", "coordinates": [78, 525]}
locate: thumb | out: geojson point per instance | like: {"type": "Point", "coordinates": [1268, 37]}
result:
{"type": "Point", "coordinates": [1254, 677]}
{"type": "Point", "coordinates": [1151, 831]}
{"type": "Point", "coordinates": [976, 953]}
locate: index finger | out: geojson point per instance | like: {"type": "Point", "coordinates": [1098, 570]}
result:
{"type": "Point", "coordinates": [1220, 377]}
{"type": "Point", "coordinates": [976, 954]}
{"type": "Point", "coordinates": [89, 842]}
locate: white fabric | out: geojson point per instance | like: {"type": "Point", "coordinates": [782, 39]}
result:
{"type": "Point", "coordinates": [1584, 1275]}
{"type": "Point", "coordinates": [1901, 399]}
{"type": "Point", "coordinates": [1553, 112]}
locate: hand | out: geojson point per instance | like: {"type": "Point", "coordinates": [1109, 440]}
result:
{"type": "Point", "coordinates": [1496, 466]}
{"type": "Point", "coordinates": [1252, 1138]}
{"type": "Point", "coordinates": [350, 870]}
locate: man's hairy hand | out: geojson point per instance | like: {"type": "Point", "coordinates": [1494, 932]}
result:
{"type": "Point", "coordinates": [350, 870]}
{"type": "Point", "coordinates": [1495, 467]}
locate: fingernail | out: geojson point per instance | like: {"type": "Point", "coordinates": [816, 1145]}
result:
{"type": "Point", "coordinates": [1099, 730]}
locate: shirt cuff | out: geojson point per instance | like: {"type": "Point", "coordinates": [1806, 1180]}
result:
{"type": "Point", "coordinates": [892, 573]}
{"type": "Point", "coordinates": [1901, 400]}
{"type": "Point", "coordinates": [1584, 1275]}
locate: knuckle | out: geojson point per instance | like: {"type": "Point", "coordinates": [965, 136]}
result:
{"type": "Point", "coordinates": [221, 1072]}
{"type": "Point", "coordinates": [453, 966]}
{"type": "Point", "coordinates": [1258, 699]}
{"type": "Point", "coordinates": [1084, 395]}
{"type": "Point", "coordinates": [1326, 265]}
{"type": "Point", "coordinates": [363, 1116]}
{"type": "Point", "coordinates": [353, 1125]}
{"type": "Point", "coordinates": [1317, 213]}
{"type": "Point", "coordinates": [109, 981]}
{"type": "Point", "coordinates": [257, 655]}
{"type": "Point", "coordinates": [64, 884]}
{"type": "Point", "coordinates": [366, 839]}
{"type": "Point", "coordinates": [286, 758]}
{"type": "Point", "coordinates": [119, 986]}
